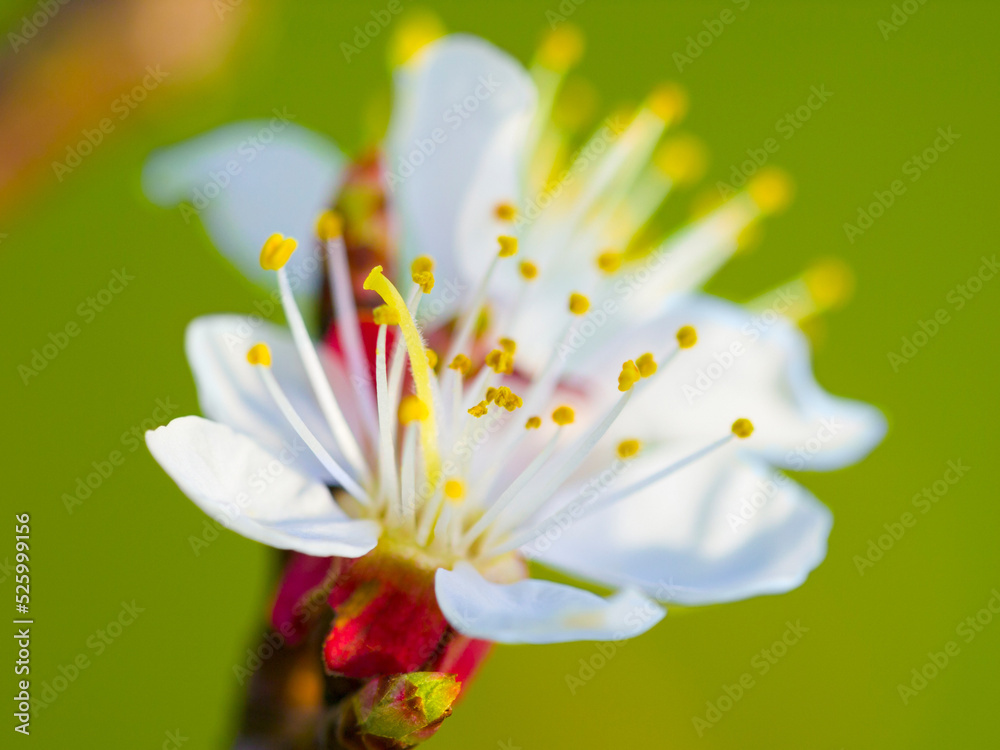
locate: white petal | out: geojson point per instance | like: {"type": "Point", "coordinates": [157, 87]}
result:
{"type": "Point", "coordinates": [717, 531]}
{"type": "Point", "coordinates": [247, 181]}
{"type": "Point", "coordinates": [231, 391]}
{"type": "Point", "coordinates": [461, 112]}
{"type": "Point", "coordinates": [250, 491]}
{"type": "Point", "coordinates": [539, 611]}
{"type": "Point", "coordinates": [742, 366]}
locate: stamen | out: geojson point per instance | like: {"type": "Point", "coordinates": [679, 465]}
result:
{"type": "Point", "coordinates": [528, 270]}
{"type": "Point", "coordinates": [508, 246]}
{"type": "Point", "coordinates": [378, 283]}
{"type": "Point", "coordinates": [683, 159]}
{"type": "Point", "coordinates": [610, 261]}
{"type": "Point", "coordinates": [533, 423]}
{"type": "Point", "coordinates": [461, 363]}
{"type": "Point", "coordinates": [669, 102]}
{"type": "Point", "coordinates": [628, 377]}
{"type": "Point", "coordinates": [510, 493]}
{"type": "Point", "coordinates": [628, 449]}
{"type": "Point", "coordinates": [528, 534]}
{"type": "Point", "coordinates": [578, 304]}
{"type": "Point", "coordinates": [501, 362]}
{"type": "Point", "coordinates": [383, 315]}
{"type": "Point", "coordinates": [563, 415]}
{"type": "Point", "coordinates": [687, 337]}
{"type": "Point", "coordinates": [771, 189]}
{"type": "Point", "coordinates": [432, 358]}
{"type": "Point", "coordinates": [329, 227]}
{"type": "Point", "coordinates": [386, 433]}
{"type": "Point", "coordinates": [465, 326]}
{"type": "Point", "coordinates": [561, 48]}
{"type": "Point", "coordinates": [647, 365]}
{"type": "Point", "coordinates": [422, 273]}
{"type": "Point", "coordinates": [276, 252]}
{"type": "Point", "coordinates": [454, 490]}
{"type": "Point", "coordinates": [480, 409]}
{"type": "Point", "coordinates": [259, 354]}
{"type": "Point", "coordinates": [505, 211]}
{"type": "Point", "coordinates": [742, 428]}
{"type": "Point", "coordinates": [412, 409]}
{"type": "Point", "coordinates": [261, 358]}
{"type": "Point", "coordinates": [271, 255]}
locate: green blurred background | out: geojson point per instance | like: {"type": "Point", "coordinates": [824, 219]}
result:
{"type": "Point", "coordinates": [172, 669]}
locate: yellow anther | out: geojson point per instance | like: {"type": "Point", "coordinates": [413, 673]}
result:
{"type": "Point", "coordinates": [454, 489]}
{"type": "Point", "coordinates": [383, 315]}
{"type": "Point", "coordinates": [508, 246]}
{"type": "Point", "coordinates": [687, 337]}
{"type": "Point", "coordinates": [628, 377]}
{"type": "Point", "coordinates": [647, 365]}
{"type": "Point", "coordinates": [422, 263]}
{"type": "Point", "coordinates": [422, 273]}
{"type": "Point", "coordinates": [412, 409]}
{"type": "Point", "coordinates": [508, 345]}
{"type": "Point", "coordinates": [329, 225]}
{"type": "Point", "coordinates": [610, 261]}
{"type": "Point", "coordinates": [771, 189]}
{"type": "Point", "coordinates": [500, 362]}
{"type": "Point", "coordinates": [507, 399]}
{"type": "Point", "coordinates": [419, 367]}
{"type": "Point", "coordinates": [479, 409]}
{"type": "Point", "coordinates": [683, 159]}
{"type": "Point", "coordinates": [578, 304]}
{"type": "Point", "coordinates": [414, 32]}
{"type": "Point", "coordinates": [563, 415]}
{"type": "Point", "coordinates": [528, 270]}
{"type": "Point", "coordinates": [628, 448]}
{"type": "Point", "coordinates": [533, 423]}
{"type": "Point", "coordinates": [830, 283]}
{"type": "Point", "coordinates": [432, 358]}
{"type": "Point", "coordinates": [276, 252]}
{"type": "Point", "coordinates": [505, 211]}
{"type": "Point", "coordinates": [561, 48]}
{"type": "Point", "coordinates": [668, 101]}
{"type": "Point", "coordinates": [491, 393]}
{"type": "Point", "coordinates": [461, 363]}
{"type": "Point", "coordinates": [742, 428]}
{"type": "Point", "coordinates": [259, 354]}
